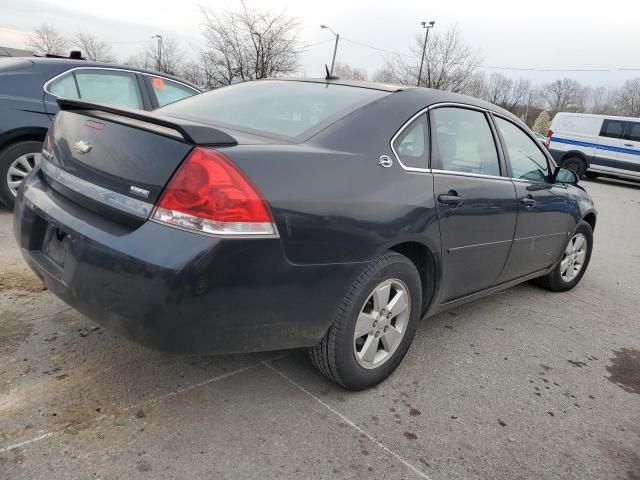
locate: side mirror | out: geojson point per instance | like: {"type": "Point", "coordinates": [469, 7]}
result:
{"type": "Point", "coordinates": [564, 175]}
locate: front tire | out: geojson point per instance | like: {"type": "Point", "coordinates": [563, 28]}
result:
{"type": "Point", "coordinates": [16, 161]}
{"type": "Point", "coordinates": [374, 326]}
{"type": "Point", "coordinates": [575, 260]}
{"type": "Point", "coordinates": [576, 165]}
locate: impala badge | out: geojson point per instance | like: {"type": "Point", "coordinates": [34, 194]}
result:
{"type": "Point", "coordinates": [141, 192]}
{"type": "Point", "coordinates": [81, 147]}
{"type": "Point", "coordinates": [385, 161]}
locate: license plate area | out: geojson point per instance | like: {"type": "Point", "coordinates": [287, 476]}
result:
{"type": "Point", "coordinates": [55, 245]}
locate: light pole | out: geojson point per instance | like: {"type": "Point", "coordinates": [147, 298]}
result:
{"type": "Point", "coordinates": [259, 52]}
{"type": "Point", "coordinates": [335, 47]}
{"type": "Point", "coordinates": [428, 27]}
{"type": "Point", "coordinates": [159, 63]}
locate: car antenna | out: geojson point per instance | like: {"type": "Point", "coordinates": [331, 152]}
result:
{"type": "Point", "coordinates": [329, 76]}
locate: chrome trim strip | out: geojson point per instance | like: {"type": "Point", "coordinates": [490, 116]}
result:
{"type": "Point", "coordinates": [455, 249]}
{"type": "Point", "coordinates": [101, 195]}
{"type": "Point", "coordinates": [46, 84]}
{"type": "Point", "coordinates": [468, 174]}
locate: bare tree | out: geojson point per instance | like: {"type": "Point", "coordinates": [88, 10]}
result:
{"type": "Point", "coordinates": [47, 39]}
{"type": "Point", "coordinates": [171, 59]}
{"type": "Point", "coordinates": [629, 99]}
{"type": "Point", "coordinates": [249, 44]}
{"type": "Point", "coordinates": [564, 95]}
{"type": "Point", "coordinates": [141, 60]}
{"type": "Point", "coordinates": [92, 48]}
{"type": "Point", "coordinates": [347, 72]}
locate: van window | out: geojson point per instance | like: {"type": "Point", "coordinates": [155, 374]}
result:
{"type": "Point", "coordinates": [412, 144]}
{"type": "Point", "coordinates": [633, 132]}
{"type": "Point", "coordinates": [464, 142]}
{"type": "Point", "coordinates": [612, 128]}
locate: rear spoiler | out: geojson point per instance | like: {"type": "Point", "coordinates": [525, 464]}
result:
{"type": "Point", "coordinates": [192, 132]}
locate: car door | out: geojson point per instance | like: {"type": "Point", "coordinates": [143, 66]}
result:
{"type": "Point", "coordinates": [629, 155]}
{"type": "Point", "coordinates": [476, 201]}
{"type": "Point", "coordinates": [545, 214]}
{"type": "Point", "coordinates": [120, 88]}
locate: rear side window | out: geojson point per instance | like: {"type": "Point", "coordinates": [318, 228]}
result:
{"type": "Point", "coordinates": [287, 109]}
{"type": "Point", "coordinates": [167, 92]}
{"type": "Point", "coordinates": [633, 132]}
{"type": "Point", "coordinates": [412, 146]}
{"type": "Point", "coordinates": [526, 159]}
{"type": "Point", "coordinates": [112, 87]}
{"type": "Point", "coordinates": [464, 142]}
{"type": "Point", "coordinates": [612, 128]}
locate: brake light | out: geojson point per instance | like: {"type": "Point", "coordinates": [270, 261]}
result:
{"type": "Point", "coordinates": [209, 194]}
{"type": "Point", "coordinates": [549, 135]}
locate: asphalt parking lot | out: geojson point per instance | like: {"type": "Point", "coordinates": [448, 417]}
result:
{"type": "Point", "coordinates": [525, 384]}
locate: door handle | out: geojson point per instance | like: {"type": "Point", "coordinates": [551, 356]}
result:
{"type": "Point", "coordinates": [528, 201]}
{"type": "Point", "coordinates": [628, 144]}
{"type": "Point", "coordinates": [450, 198]}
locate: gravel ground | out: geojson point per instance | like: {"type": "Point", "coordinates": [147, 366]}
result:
{"type": "Point", "coordinates": [524, 384]}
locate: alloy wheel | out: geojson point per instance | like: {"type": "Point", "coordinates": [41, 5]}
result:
{"type": "Point", "coordinates": [19, 169]}
{"type": "Point", "coordinates": [382, 323]}
{"type": "Point", "coordinates": [573, 257]}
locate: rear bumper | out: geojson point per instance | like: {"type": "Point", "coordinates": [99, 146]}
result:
{"type": "Point", "coordinates": [174, 290]}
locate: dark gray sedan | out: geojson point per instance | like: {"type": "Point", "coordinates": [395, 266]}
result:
{"type": "Point", "coordinates": [297, 213]}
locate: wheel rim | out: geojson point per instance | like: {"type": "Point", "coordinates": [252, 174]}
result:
{"type": "Point", "coordinates": [19, 169]}
{"type": "Point", "coordinates": [382, 323]}
{"type": "Point", "coordinates": [573, 257]}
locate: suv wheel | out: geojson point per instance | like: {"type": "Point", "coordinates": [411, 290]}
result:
{"type": "Point", "coordinates": [374, 326]}
{"type": "Point", "coordinates": [16, 161]}
{"type": "Point", "coordinates": [576, 165]}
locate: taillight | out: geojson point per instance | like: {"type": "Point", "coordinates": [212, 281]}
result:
{"type": "Point", "coordinates": [209, 194]}
{"type": "Point", "coordinates": [549, 135]}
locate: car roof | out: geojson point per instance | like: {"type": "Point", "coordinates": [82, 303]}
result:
{"type": "Point", "coordinates": [67, 63]}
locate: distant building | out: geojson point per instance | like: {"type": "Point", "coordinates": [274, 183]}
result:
{"type": "Point", "coordinates": [14, 52]}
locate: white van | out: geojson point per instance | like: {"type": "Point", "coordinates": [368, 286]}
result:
{"type": "Point", "coordinates": [596, 144]}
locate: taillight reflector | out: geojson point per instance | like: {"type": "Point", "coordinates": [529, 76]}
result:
{"type": "Point", "coordinates": [549, 135]}
{"type": "Point", "coordinates": [209, 194]}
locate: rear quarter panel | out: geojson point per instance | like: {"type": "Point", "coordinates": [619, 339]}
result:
{"type": "Point", "coordinates": [331, 200]}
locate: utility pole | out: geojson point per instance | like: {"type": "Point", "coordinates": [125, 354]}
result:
{"type": "Point", "coordinates": [258, 55]}
{"type": "Point", "coordinates": [159, 63]}
{"type": "Point", "coordinates": [335, 47]}
{"type": "Point", "coordinates": [428, 27]}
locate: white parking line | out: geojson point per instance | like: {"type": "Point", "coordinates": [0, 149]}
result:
{"type": "Point", "coordinates": [417, 471]}
{"type": "Point", "coordinates": [44, 436]}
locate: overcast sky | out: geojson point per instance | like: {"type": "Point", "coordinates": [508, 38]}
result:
{"type": "Point", "coordinates": [543, 34]}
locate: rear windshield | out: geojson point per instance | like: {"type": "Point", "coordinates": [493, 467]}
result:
{"type": "Point", "coordinates": [282, 108]}
{"type": "Point", "coordinates": [9, 64]}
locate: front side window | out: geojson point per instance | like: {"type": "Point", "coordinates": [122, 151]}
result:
{"type": "Point", "coordinates": [633, 132]}
{"type": "Point", "coordinates": [103, 86]}
{"type": "Point", "coordinates": [526, 159]}
{"type": "Point", "coordinates": [464, 142]}
{"type": "Point", "coordinates": [612, 128]}
{"type": "Point", "coordinates": [167, 92]}
{"type": "Point", "coordinates": [411, 146]}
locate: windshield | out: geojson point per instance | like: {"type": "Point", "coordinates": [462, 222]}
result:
{"type": "Point", "coordinates": [288, 109]}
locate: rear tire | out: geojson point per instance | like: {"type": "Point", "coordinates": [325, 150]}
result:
{"type": "Point", "coordinates": [359, 362]}
{"type": "Point", "coordinates": [576, 165]}
{"type": "Point", "coordinates": [564, 276]}
{"type": "Point", "coordinates": [16, 161]}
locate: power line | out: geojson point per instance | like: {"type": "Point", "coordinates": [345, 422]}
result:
{"type": "Point", "coordinates": [496, 67]}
